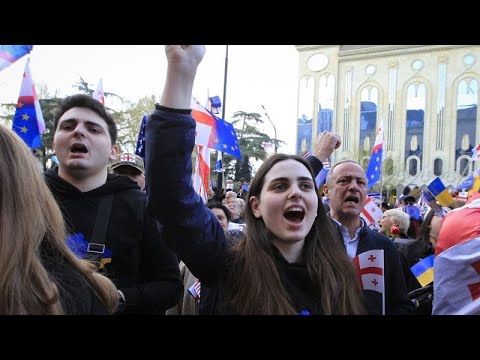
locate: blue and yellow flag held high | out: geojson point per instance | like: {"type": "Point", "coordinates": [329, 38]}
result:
{"type": "Point", "coordinates": [28, 120]}
{"type": "Point", "coordinates": [423, 270]}
{"type": "Point", "coordinates": [440, 192]}
{"type": "Point", "coordinates": [11, 53]}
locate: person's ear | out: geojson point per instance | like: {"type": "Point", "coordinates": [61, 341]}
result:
{"type": "Point", "coordinates": [254, 204]}
{"type": "Point", "coordinates": [326, 191]}
{"type": "Point", "coordinates": [114, 152]}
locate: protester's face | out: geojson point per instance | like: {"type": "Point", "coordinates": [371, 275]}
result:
{"type": "Point", "coordinates": [234, 209]}
{"type": "Point", "coordinates": [82, 142]}
{"type": "Point", "coordinates": [133, 173]}
{"type": "Point", "coordinates": [221, 217]}
{"type": "Point", "coordinates": [288, 201]}
{"type": "Point", "coordinates": [346, 191]}
{"type": "Point", "coordinates": [386, 222]}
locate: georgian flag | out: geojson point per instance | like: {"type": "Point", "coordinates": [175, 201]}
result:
{"type": "Point", "coordinates": [370, 271]}
{"type": "Point", "coordinates": [213, 132]}
{"type": "Point", "coordinates": [202, 173]}
{"type": "Point", "coordinates": [457, 262]}
{"type": "Point", "coordinates": [371, 213]}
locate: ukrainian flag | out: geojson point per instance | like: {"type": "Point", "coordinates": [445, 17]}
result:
{"type": "Point", "coordinates": [423, 270]}
{"type": "Point", "coordinates": [440, 192]}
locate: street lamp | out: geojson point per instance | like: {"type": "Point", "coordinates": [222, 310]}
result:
{"type": "Point", "coordinates": [273, 125]}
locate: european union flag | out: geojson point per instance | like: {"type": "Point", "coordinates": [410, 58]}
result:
{"type": "Point", "coordinates": [468, 182]}
{"type": "Point", "coordinates": [423, 270]}
{"type": "Point", "coordinates": [374, 168]}
{"type": "Point", "coordinates": [213, 132]}
{"type": "Point", "coordinates": [224, 138]}
{"type": "Point", "coordinates": [140, 150]}
{"type": "Point", "coordinates": [413, 211]}
{"type": "Point", "coordinates": [28, 120]}
{"type": "Point", "coordinates": [11, 53]}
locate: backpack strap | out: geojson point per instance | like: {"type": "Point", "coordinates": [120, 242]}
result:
{"type": "Point", "coordinates": [96, 247]}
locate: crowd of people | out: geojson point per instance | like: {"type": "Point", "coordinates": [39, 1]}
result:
{"type": "Point", "coordinates": [112, 233]}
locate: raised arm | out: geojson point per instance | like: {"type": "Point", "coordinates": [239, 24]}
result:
{"type": "Point", "coordinates": [325, 144]}
{"type": "Point", "coordinates": [183, 61]}
{"type": "Point", "coordinates": [191, 229]}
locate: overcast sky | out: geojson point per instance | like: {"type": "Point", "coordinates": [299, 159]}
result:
{"type": "Point", "coordinates": [257, 75]}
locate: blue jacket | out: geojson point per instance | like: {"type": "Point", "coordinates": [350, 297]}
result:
{"type": "Point", "coordinates": [191, 229]}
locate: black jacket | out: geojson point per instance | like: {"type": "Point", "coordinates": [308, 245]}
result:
{"type": "Point", "coordinates": [396, 294]}
{"type": "Point", "coordinates": [141, 266]}
{"type": "Point", "coordinates": [76, 294]}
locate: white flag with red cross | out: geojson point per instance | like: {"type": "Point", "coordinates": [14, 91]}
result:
{"type": "Point", "coordinates": [371, 213]}
{"type": "Point", "coordinates": [201, 177]}
{"type": "Point", "coordinates": [370, 271]}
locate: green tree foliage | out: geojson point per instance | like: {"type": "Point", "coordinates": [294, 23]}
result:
{"type": "Point", "coordinates": [130, 120]}
{"type": "Point", "coordinates": [252, 145]}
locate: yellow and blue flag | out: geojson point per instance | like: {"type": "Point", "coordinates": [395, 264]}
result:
{"type": "Point", "coordinates": [440, 192]}
{"type": "Point", "coordinates": [423, 270]}
{"type": "Point", "coordinates": [28, 120]}
{"type": "Point", "coordinates": [11, 53]}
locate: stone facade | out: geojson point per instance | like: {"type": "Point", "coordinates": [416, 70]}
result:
{"type": "Point", "coordinates": [426, 96]}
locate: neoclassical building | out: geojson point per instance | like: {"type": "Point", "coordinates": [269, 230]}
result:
{"type": "Point", "coordinates": [426, 96]}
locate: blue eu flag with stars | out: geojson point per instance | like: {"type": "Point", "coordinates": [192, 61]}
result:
{"type": "Point", "coordinates": [140, 150]}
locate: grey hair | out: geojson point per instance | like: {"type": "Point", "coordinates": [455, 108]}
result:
{"type": "Point", "coordinates": [401, 217]}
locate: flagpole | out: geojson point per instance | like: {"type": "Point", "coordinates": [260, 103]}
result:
{"type": "Point", "coordinates": [221, 178]}
{"type": "Point", "coordinates": [464, 170]}
{"type": "Point", "coordinates": [225, 84]}
{"type": "Point", "coordinates": [384, 150]}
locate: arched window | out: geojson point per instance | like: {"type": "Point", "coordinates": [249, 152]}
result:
{"type": "Point", "coordinates": [437, 167]}
{"type": "Point", "coordinates": [305, 114]}
{"type": "Point", "coordinates": [326, 94]}
{"type": "Point", "coordinates": [368, 118]}
{"type": "Point", "coordinates": [416, 98]}
{"type": "Point", "coordinates": [467, 101]}
{"type": "Point", "coordinates": [412, 166]}
{"type": "Point", "coordinates": [463, 166]}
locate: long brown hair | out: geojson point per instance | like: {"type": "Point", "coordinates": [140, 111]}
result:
{"type": "Point", "coordinates": [30, 221]}
{"type": "Point", "coordinates": [258, 288]}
